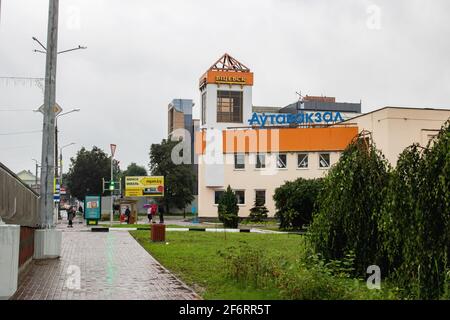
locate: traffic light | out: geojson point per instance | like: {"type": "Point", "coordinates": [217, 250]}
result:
{"type": "Point", "coordinates": [111, 186]}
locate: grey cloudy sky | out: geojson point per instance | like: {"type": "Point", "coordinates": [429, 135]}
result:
{"type": "Point", "coordinates": [141, 54]}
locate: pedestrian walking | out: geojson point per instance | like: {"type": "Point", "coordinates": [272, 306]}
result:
{"type": "Point", "coordinates": [70, 216]}
{"type": "Point", "coordinates": [153, 212]}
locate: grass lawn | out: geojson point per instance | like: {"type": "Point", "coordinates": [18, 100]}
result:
{"type": "Point", "coordinates": [194, 258]}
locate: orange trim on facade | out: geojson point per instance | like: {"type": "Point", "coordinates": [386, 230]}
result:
{"type": "Point", "coordinates": [281, 140]}
{"type": "Point", "coordinates": [227, 77]}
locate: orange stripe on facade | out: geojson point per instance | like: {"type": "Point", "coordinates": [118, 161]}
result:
{"type": "Point", "coordinates": [281, 140]}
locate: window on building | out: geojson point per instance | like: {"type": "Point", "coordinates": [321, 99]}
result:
{"type": "Point", "coordinates": [229, 106]}
{"type": "Point", "coordinates": [218, 195]}
{"type": "Point", "coordinates": [303, 160]}
{"type": "Point", "coordinates": [324, 160]}
{"type": "Point", "coordinates": [260, 161]}
{"type": "Point", "coordinates": [260, 197]}
{"type": "Point", "coordinates": [203, 108]}
{"type": "Point", "coordinates": [240, 196]}
{"type": "Point", "coordinates": [239, 161]}
{"type": "Point", "coordinates": [282, 161]}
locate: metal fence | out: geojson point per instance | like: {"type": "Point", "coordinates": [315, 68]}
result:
{"type": "Point", "coordinates": [19, 204]}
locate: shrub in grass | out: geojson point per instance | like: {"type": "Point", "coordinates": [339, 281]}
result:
{"type": "Point", "coordinates": [248, 265]}
{"type": "Point", "coordinates": [258, 213]}
{"type": "Point", "coordinates": [295, 202]}
{"type": "Point", "coordinates": [307, 278]}
{"type": "Point", "coordinates": [228, 209]}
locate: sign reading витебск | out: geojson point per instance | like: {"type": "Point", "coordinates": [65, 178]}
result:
{"type": "Point", "coordinates": [301, 118]}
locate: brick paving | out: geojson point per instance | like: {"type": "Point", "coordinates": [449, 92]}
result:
{"type": "Point", "coordinates": [112, 266]}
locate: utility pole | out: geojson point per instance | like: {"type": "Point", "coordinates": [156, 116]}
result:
{"type": "Point", "coordinates": [46, 204]}
{"type": "Point", "coordinates": [111, 183]}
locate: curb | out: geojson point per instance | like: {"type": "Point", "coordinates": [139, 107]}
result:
{"type": "Point", "coordinates": [260, 231]}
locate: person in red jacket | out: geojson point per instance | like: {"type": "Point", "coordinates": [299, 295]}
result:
{"type": "Point", "coordinates": [153, 211]}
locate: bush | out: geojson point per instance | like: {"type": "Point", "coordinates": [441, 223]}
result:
{"type": "Point", "coordinates": [228, 209]}
{"type": "Point", "coordinates": [258, 213]}
{"type": "Point", "coordinates": [349, 206]}
{"type": "Point", "coordinates": [295, 202]}
{"type": "Point", "coordinates": [306, 278]}
{"type": "Point", "coordinates": [415, 221]}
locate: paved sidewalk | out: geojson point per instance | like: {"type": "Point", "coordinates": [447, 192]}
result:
{"type": "Point", "coordinates": [111, 266]}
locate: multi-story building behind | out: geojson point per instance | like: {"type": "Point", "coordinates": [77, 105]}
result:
{"type": "Point", "coordinates": [255, 149]}
{"type": "Point", "coordinates": [182, 126]}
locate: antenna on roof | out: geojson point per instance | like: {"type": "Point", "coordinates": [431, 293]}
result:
{"type": "Point", "coordinates": [301, 101]}
{"type": "Point", "coordinates": [300, 97]}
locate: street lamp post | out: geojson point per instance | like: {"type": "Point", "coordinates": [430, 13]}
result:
{"type": "Point", "coordinates": [61, 171]}
{"type": "Point", "coordinates": [61, 158]}
{"type": "Point", "coordinates": [56, 140]}
{"type": "Point", "coordinates": [111, 183]}
{"type": "Point", "coordinates": [48, 138]}
{"type": "Point", "coordinates": [36, 181]}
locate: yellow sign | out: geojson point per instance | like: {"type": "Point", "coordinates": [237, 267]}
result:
{"type": "Point", "coordinates": [230, 79]}
{"type": "Point", "coordinates": [144, 186]}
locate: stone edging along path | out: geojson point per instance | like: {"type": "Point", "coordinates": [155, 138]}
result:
{"type": "Point", "coordinates": [260, 231]}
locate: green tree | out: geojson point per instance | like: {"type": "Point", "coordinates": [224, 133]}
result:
{"type": "Point", "coordinates": [178, 178]}
{"type": "Point", "coordinates": [416, 220]}
{"type": "Point", "coordinates": [349, 206]}
{"type": "Point", "coordinates": [86, 172]}
{"type": "Point", "coordinates": [258, 213]}
{"type": "Point", "coordinates": [228, 209]}
{"type": "Point", "coordinates": [295, 202]}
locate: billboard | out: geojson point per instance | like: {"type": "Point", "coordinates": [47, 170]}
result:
{"type": "Point", "coordinates": [92, 207]}
{"type": "Point", "coordinates": [144, 187]}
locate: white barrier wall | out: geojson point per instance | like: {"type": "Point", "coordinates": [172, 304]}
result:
{"type": "Point", "coordinates": [47, 244]}
{"type": "Point", "coordinates": [9, 259]}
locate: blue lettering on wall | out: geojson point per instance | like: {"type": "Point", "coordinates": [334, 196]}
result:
{"type": "Point", "coordinates": [285, 119]}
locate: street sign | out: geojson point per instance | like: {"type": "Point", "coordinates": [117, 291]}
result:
{"type": "Point", "coordinates": [56, 192]}
{"type": "Point", "coordinates": [144, 186]}
{"type": "Point", "coordinates": [113, 149]}
{"type": "Point", "coordinates": [56, 109]}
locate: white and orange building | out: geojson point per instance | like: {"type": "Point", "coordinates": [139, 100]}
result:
{"type": "Point", "coordinates": [257, 149]}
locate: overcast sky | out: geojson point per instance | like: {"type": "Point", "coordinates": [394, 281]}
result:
{"type": "Point", "coordinates": [142, 54]}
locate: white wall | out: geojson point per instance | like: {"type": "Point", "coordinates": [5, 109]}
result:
{"type": "Point", "coordinates": [9, 259]}
{"type": "Point", "coordinates": [251, 179]}
{"type": "Point", "coordinates": [394, 129]}
{"type": "Point", "coordinates": [211, 105]}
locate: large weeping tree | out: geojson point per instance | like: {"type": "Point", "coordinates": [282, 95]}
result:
{"type": "Point", "coordinates": [416, 220]}
{"type": "Point", "coordinates": [349, 206]}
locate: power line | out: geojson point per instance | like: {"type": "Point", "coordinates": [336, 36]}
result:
{"type": "Point", "coordinates": [16, 110]}
{"type": "Point", "coordinates": [19, 133]}
{"type": "Point", "coordinates": [16, 148]}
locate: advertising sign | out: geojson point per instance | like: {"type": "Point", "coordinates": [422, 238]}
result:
{"type": "Point", "coordinates": [92, 208]}
{"type": "Point", "coordinates": [301, 118]}
{"type": "Point", "coordinates": [144, 187]}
